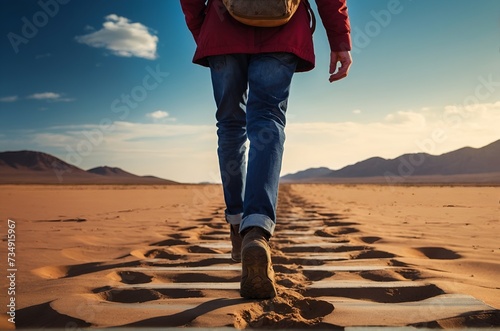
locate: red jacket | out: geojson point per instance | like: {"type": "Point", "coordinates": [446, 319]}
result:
{"type": "Point", "coordinates": [216, 32]}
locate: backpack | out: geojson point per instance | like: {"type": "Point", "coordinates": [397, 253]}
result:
{"type": "Point", "coordinates": [262, 13]}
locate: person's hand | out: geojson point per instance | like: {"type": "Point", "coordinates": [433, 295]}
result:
{"type": "Point", "coordinates": [345, 60]}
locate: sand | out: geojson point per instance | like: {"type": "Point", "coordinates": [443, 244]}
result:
{"type": "Point", "coordinates": [344, 255]}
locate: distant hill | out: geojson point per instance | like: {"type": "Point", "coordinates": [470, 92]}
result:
{"type": "Point", "coordinates": [309, 173]}
{"type": "Point", "coordinates": [33, 161]}
{"type": "Point", "coordinates": [122, 175]}
{"type": "Point", "coordinates": [467, 165]}
{"type": "Point", "coordinates": [29, 167]}
{"type": "Point", "coordinates": [110, 171]}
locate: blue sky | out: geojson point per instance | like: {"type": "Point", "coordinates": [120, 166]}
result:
{"type": "Point", "coordinates": [112, 83]}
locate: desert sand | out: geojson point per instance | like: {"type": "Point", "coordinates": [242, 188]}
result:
{"type": "Point", "coordinates": [344, 255]}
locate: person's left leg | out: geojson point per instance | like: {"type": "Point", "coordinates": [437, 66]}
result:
{"type": "Point", "coordinates": [269, 79]}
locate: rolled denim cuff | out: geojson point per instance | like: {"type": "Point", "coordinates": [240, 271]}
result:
{"type": "Point", "coordinates": [234, 219]}
{"type": "Point", "coordinates": [262, 221]}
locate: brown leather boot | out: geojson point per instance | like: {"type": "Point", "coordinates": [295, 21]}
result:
{"type": "Point", "coordinates": [236, 241]}
{"type": "Point", "coordinates": [257, 278]}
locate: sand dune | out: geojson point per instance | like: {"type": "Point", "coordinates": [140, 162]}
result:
{"type": "Point", "coordinates": [158, 256]}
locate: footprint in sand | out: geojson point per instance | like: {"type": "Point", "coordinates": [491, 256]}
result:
{"type": "Point", "coordinates": [192, 277]}
{"type": "Point", "coordinates": [165, 275]}
{"type": "Point", "coordinates": [438, 253]}
{"type": "Point", "coordinates": [322, 248]}
{"type": "Point", "coordinates": [293, 261]}
{"type": "Point", "coordinates": [58, 272]}
{"type": "Point", "coordinates": [170, 242]}
{"type": "Point", "coordinates": [203, 250]}
{"type": "Point", "coordinates": [382, 275]}
{"type": "Point", "coordinates": [370, 240]}
{"type": "Point", "coordinates": [127, 295]}
{"type": "Point", "coordinates": [317, 275]}
{"type": "Point", "coordinates": [336, 223]}
{"type": "Point", "coordinates": [411, 274]}
{"type": "Point", "coordinates": [372, 254]}
{"type": "Point", "coordinates": [162, 254]}
{"type": "Point", "coordinates": [329, 232]}
{"type": "Point", "coordinates": [204, 220]}
{"type": "Point", "coordinates": [382, 292]}
{"type": "Point", "coordinates": [130, 277]}
{"type": "Point", "coordinates": [145, 295]}
{"type": "Point", "coordinates": [215, 236]}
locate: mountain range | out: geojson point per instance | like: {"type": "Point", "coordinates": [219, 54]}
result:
{"type": "Point", "coordinates": [30, 167]}
{"type": "Point", "coordinates": [465, 165]}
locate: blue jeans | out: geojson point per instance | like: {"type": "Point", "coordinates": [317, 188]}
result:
{"type": "Point", "coordinates": [251, 93]}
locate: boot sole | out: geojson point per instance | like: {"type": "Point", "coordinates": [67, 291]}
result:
{"type": "Point", "coordinates": [257, 284]}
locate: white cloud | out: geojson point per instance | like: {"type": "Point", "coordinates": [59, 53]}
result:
{"type": "Point", "coordinates": [123, 38]}
{"type": "Point", "coordinates": [45, 96]}
{"type": "Point", "coordinates": [12, 98]}
{"type": "Point", "coordinates": [357, 111]}
{"type": "Point", "coordinates": [406, 117]}
{"type": "Point", "coordinates": [50, 96]}
{"type": "Point", "coordinates": [158, 115]}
